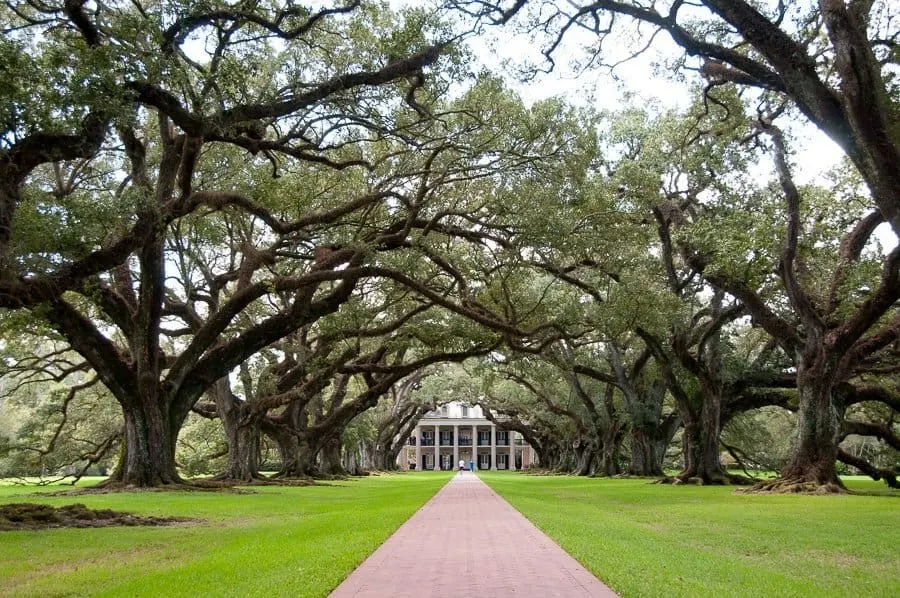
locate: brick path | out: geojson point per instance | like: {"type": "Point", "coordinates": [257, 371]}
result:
{"type": "Point", "coordinates": [468, 542]}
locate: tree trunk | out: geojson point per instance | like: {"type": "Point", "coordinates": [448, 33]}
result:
{"type": "Point", "coordinates": [360, 460]}
{"type": "Point", "coordinates": [819, 422]}
{"type": "Point", "coordinates": [711, 469]}
{"type": "Point", "coordinates": [330, 457]}
{"type": "Point", "coordinates": [700, 445]}
{"type": "Point", "coordinates": [385, 452]}
{"type": "Point", "coordinates": [610, 435]}
{"type": "Point", "coordinates": [609, 454]}
{"type": "Point", "coordinates": [702, 434]}
{"type": "Point", "coordinates": [586, 456]}
{"type": "Point", "coordinates": [557, 459]}
{"type": "Point", "coordinates": [646, 453]}
{"type": "Point", "coordinates": [243, 451]}
{"type": "Point", "coordinates": [391, 463]}
{"type": "Point", "coordinates": [288, 450]}
{"type": "Point", "coordinates": [242, 434]}
{"type": "Point", "coordinates": [385, 457]}
{"type": "Point", "coordinates": [150, 428]}
{"type": "Point", "coordinates": [351, 461]}
{"type": "Point", "coordinates": [304, 462]}
{"type": "Point", "coordinates": [380, 458]}
{"type": "Point", "coordinates": [148, 457]}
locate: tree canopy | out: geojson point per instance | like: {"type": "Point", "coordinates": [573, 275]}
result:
{"type": "Point", "coordinates": [303, 222]}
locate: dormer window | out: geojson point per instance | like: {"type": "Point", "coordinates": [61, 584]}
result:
{"type": "Point", "coordinates": [465, 411]}
{"type": "Point", "coordinates": [444, 411]}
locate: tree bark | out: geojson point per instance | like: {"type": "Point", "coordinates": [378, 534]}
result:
{"type": "Point", "coordinates": [701, 442]}
{"type": "Point", "coordinates": [611, 436]}
{"type": "Point", "coordinates": [819, 422]}
{"type": "Point", "coordinates": [243, 451]}
{"type": "Point", "coordinates": [385, 457]}
{"type": "Point", "coordinates": [330, 457]}
{"type": "Point", "coordinates": [288, 449]}
{"type": "Point", "coordinates": [305, 461]}
{"type": "Point", "coordinates": [585, 456]}
{"type": "Point", "coordinates": [650, 434]}
{"type": "Point", "coordinates": [241, 431]}
{"type": "Point", "coordinates": [148, 457]}
{"type": "Point", "coordinates": [646, 456]}
{"type": "Point", "coordinates": [609, 455]}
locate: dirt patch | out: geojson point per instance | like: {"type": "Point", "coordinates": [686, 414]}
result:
{"type": "Point", "coordinates": [31, 516]}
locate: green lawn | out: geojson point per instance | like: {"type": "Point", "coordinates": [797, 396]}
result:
{"type": "Point", "coordinates": [642, 539]}
{"type": "Point", "coordinates": [652, 540]}
{"type": "Point", "coordinates": [299, 541]}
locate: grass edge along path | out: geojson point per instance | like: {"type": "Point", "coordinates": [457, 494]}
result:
{"type": "Point", "coordinates": [643, 539]}
{"type": "Point", "coordinates": [288, 541]}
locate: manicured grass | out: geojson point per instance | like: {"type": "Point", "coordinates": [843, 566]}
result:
{"type": "Point", "coordinates": [652, 540]}
{"type": "Point", "coordinates": [300, 541]}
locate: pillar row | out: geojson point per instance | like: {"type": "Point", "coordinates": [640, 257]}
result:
{"type": "Point", "coordinates": [475, 447]}
{"type": "Point", "coordinates": [419, 448]}
{"type": "Point", "coordinates": [437, 447]}
{"type": "Point", "coordinates": [455, 446]}
{"type": "Point", "coordinates": [493, 447]}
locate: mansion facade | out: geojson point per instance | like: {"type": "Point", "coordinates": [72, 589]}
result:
{"type": "Point", "coordinates": [457, 432]}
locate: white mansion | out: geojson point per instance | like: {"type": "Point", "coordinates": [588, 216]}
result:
{"type": "Point", "coordinates": [457, 432]}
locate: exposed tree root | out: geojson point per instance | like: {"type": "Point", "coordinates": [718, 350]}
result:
{"type": "Point", "coordinates": [679, 480]}
{"type": "Point", "coordinates": [115, 487]}
{"type": "Point", "coordinates": [795, 486]}
{"type": "Point", "coordinates": [225, 477]}
{"type": "Point", "coordinates": [115, 484]}
{"type": "Point", "coordinates": [29, 516]}
{"type": "Point", "coordinates": [537, 471]}
{"type": "Point", "coordinates": [311, 477]}
{"type": "Point", "coordinates": [740, 480]}
{"type": "Point", "coordinates": [284, 482]}
{"type": "Point", "coordinates": [718, 480]}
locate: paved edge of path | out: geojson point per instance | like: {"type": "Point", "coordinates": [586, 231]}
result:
{"type": "Point", "coordinates": [468, 541]}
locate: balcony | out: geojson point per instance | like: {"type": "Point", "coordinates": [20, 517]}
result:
{"type": "Point", "coordinates": [446, 442]}
{"type": "Point", "coordinates": [427, 442]}
{"type": "Point", "coordinates": [465, 442]}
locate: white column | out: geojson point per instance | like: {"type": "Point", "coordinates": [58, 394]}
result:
{"type": "Point", "coordinates": [475, 447]}
{"type": "Point", "coordinates": [512, 450]}
{"type": "Point", "coordinates": [437, 447]}
{"type": "Point", "coordinates": [418, 448]}
{"type": "Point", "coordinates": [455, 446]}
{"type": "Point", "coordinates": [493, 446]}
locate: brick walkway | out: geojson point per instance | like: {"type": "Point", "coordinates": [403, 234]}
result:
{"type": "Point", "coordinates": [467, 541]}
